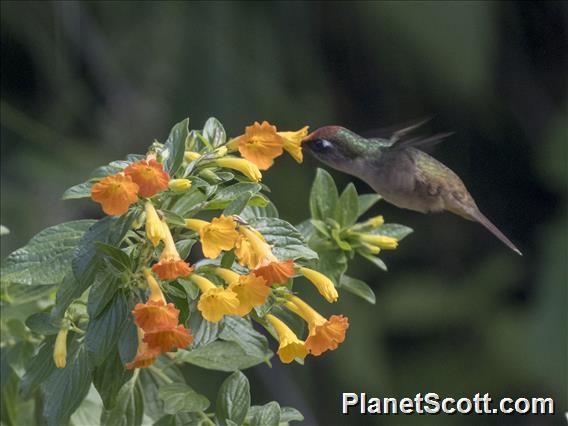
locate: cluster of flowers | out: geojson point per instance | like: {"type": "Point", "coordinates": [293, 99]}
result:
{"type": "Point", "coordinates": [157, 321]}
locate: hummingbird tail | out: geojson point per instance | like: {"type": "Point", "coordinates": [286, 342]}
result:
{"type": "Point", "coordinates": [479, 217]}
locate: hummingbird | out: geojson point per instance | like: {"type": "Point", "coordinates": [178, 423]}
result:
{"type": "Point", "coordinates": [399, 171]}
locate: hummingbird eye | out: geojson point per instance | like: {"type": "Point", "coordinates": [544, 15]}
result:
{"type": "Point", "coordinates": [322, 145]}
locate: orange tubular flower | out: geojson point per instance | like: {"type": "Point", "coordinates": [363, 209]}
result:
{"type": "Point", "coordinates": [115, 194]}
{"type": "Point", "coordinates": [145, 356]}
{"type": "Point", "coordinates": [324, 335]}
{"type": "Point", "coordinates": [220, 234]}
{"type": "Point", "coordinates": [260, 144]}
{"type": "Point", "coordinates": [155, 314]}
{"type": "Point", "coordinates": [169, 338]}
{"type": "Point", "coordinates": [159, 330]}
{"type": "Point", "coordinates": [149, 176]}
{"type": "Point", "coordinates": [293, 143]}
{"type": "Point", "coordinates": [250, 290]}
{"type": "Point", "coordinates": [275, 272]}
{"type": "Point", "coordinates": [170, 266]}
{"type": "Point", "coordinates": [253, 252]}
{"type": "Point", "coordinates": [215, 302]}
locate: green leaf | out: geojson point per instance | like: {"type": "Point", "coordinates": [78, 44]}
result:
{"type": "Point", "coordinates": [394, 230]}
{"type": "Point", "coordinates": [295, 322]}
{"type": "Point", "coordinates": [204, 332]}
{"type": "Point", "coordinates": [219, 355]}
{"type": "Point", "coordinates": [348, 206]}
{"type": "Point", "coordinates": [321, 227]}
{"type": "Point", "coordinates": [89, 412]}
{"type": "Point", "coordinates": [374, 260]}
{"type": "Point", "coordinates": [366, 201]}
{"type": "Point", "coordinates": [101, 293]}
{"type": "Point", "coordinates": [332, 263]}
{"type": "Point", "coordinates": [252, 212]}
{"type": "Point", "coordinates": [323, 196]}
{"type": "Point", "coordinates": [69, 290]}
{"type": "Point", "coordinates": [233, 399]}
{"type": "Point", "coordinates": [47, 256]}
{"type": "Point", "coordinates": [103, 331]}
{"type": "Point", "coordinates": [189, 202]}
{"type": "Point", "coordinates": [174, 147]}
{"type": "Point", "coordinates": [39, 368]}
{"type": "Point", "coordinates": [129, 407]}
{"type": "Point", "coordinates": [180, 398]}
{"type": "Point", "coordinates": [239, 330]}
{"type": "Point", "coordinates": [4, 230]}
{"type": "Point", "coordinates": [184, 247]}
{"type": "Point", "coordinates": [226, 195]}
{"type": "Point", "coordinates": [358, 288]}
{"type": "Point", "coordinates": [290, 414]}
{"type": "Point", "coordinates": [109, 378]}
{"type": "Point", "coordinates": [128, 340]}
{"type": "Point", "coordinates": [40, 323]}
{"type": "Point", "coordinates": [343, 245]}
{"type": "Point", "coordinates": [238, 204]}
{"type": "Point", "coordinates": [19, 294]}
{"type": "Point", "coordinates": [286, 240]}
{"type": "Point", "coordinates": [181, 419]}
{"type": "Point", "coordinates": [110, 230]}
{"type": "Point", "coordinates": [173, 218]}
{"type": "Point", "coordinates": [214, 132]}
{"type": "Point", "coordinates": [82, 190]}
{"type": "Point", "coordinates": [266, 415]}
{"type": "Point", "coordinates": [119, 258]}
{"type": "Point", "coordinates": [66, 387]}
{"type": "Point", "coordinates": [228, 259]}
{"type": "Point", "coordinates": [151, 382]}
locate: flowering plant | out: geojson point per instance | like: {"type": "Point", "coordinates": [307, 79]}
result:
{"type": "Point", "coordinates": [130, 308]}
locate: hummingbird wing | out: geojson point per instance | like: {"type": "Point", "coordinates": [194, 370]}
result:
{"type": "Point", "coordinates": [418, 141]}
{"type": "Point", "coordinates": [396, 131]}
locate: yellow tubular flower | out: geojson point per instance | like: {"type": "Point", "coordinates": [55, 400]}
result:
{"type": "Point", "coordinates": [381, 241]}
{"type": "Point", "coordinates": [247, 168]}
{"type": "Point", "coordinates": [229, 276]}
{"type": "Point", "coordinates": [214, 302]}
{"type": "Point", "coordinates": [191, 156]}
{"type": "Point", "coordinates": [324, 285]}
{"type": "Point", "coordinates": [293, 142]}
{"type": "Point", "coordinates": [290, 346]}
{"type": "Point", "coordinates": [179, 185]}
{"type": "Point", "coordinates": [154, 229]}
{"type": "Point", "coordinates": [221, 234]}
{"type": "Point", "coordinates": [251, 291]}
{"type": "Point", "coordinates": [60, 349]}
{"type": "Point", "coordinates": [156, 294]}
{"type": "Point", "coordinates": [251, 248]}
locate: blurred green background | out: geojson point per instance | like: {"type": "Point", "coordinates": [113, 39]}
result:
{"type": "Point", "coordinates": [457, 313]}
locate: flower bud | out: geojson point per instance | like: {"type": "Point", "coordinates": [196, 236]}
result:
{"type": "Point", "coordinates": [179, 185]}
{"type": "Point", "coordinates": [60, 349]}
{"type": "Point", "coordinates": [191, 156]}
{"type": "Point", "coordinates": [221, 151]}
{"type": "Point", "coordinates": [381, 241]}
{"type": "Point", "coordinates": [323, 284]}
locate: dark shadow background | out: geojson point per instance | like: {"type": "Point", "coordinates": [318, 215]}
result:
{"type": "Point", "coordinates": [457, 313]}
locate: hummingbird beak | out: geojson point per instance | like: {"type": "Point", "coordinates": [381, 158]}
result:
{"type": "Point", "coordinates": [307, 138]}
